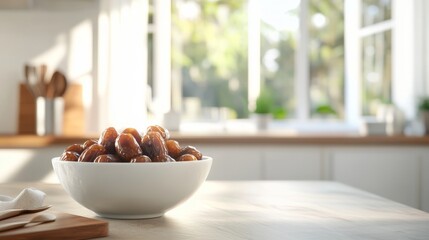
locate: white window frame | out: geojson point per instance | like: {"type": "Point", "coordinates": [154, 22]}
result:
{"type": "Point", "coordinates": [408, 55]}
{"type": "Point", "coordinates": [352, 20]}
{"type": "Point", "coordinates": [162, 57]}
{"type": "Point", "coordinates": [302, 68]}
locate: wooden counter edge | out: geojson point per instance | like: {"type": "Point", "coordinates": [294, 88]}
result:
{"type": "Point", "coordinates": [32, 141]}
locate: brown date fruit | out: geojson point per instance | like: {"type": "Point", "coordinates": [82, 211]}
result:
{"type": "Point", "coordinates": [88, 143]}
{"type": "Point", "coordinates": [193, 151]}
{"type": "Point", "coordinates": [127, 146]}
{"type": "Point", "coordinates": [69, 156]}
{"type": "Point", "coordinates": [133, 132]}
{"type": "Point", "coordinates": [120, 159]}
{"type": "Point", "coordinates": [173, 148]}
{"type": "Point", "coordinates": [77, 148]}
{"type": "Point", "coordinates": [154, 146]}
{"type": "Point", "coordinates": [187, 157]}
{"type": "Point", "coordinates": [156, 128]}
{"type": "Point", "coordinates": [140, 159]}
{"type": "Point", "coordinates": [91, 153]}
{"type": "Point", "coordinates": [107, 158]}
{"type": "Point", "coordinates": [107, 139]}
{"type": "Point", "coordinates": [168, 158]}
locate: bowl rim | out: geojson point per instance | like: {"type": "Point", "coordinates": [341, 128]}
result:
{"type": "Point", "coordinates": [204, 159]}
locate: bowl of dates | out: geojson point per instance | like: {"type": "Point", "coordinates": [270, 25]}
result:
{"type": "Point", "coordinates": [129, 175]}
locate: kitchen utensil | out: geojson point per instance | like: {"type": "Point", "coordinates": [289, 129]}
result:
{"type": "Point", "coordinates": [66, 226]}
{"type": "Point", "coordinates": [50, 89]}
{"type": "Point", "coordinates": [27, 78]}
{"type": "Point", "coordinates": [15, 212]}
{"type": "Point", "coordinates": [61, 85]}
{"type": "Point", "coordinates": [42, 84]}
{"type": "Point", "coordinates": [38, 219]}
{"type": "Point", "coordinates": [31, 80]}
{"type": "Point", "coordinates": [57, 86]}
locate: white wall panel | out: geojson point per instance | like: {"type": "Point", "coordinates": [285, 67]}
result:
{"type": "Point", "coordinates": [292, 163]}
{"type": "Point", "coordinates": [391, 172]}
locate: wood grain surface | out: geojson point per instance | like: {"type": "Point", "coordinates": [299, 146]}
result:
{"type": "Point", "coordinates": [66, 226]}
{"type": "Point", "coordinates": [26, 111]}
{"type": "Point", "coordinates": [74, 111]}
{"type": "Point", "coordinates": [264, 210]}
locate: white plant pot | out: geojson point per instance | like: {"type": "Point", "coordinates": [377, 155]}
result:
{"type": "Point", "coordinates": [424, 115]}
{"type": "Point", "coordinates": [262, 121]}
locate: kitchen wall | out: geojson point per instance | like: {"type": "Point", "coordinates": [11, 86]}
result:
{"type": "Point", "coordinates": [59, 34]}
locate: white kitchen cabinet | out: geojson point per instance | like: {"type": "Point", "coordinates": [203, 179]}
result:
{"type": "Point", "coordinates": [424, 186]}
{"type": "Point", "coordinates": [292, 163]}
{"type": "Point", "coordinates": [391, 172]}
{"type": "Point", "coordinates": [233, 162]}
{"type": "Point", "coordinates": [244, 162]}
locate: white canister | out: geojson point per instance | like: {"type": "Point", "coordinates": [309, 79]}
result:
{"type": "Point", "coordinates": [49, 116]}
{"type": "Point", "coordinates": [394, 118]}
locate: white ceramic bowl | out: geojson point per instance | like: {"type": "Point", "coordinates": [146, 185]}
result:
{"type": "Point", "coordinates": [131, 190]}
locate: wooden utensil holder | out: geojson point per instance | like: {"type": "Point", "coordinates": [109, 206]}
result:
{"type": "Point", "coordinates": [74, 114]}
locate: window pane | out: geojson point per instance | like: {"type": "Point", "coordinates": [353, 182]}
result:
{"type": "Point", "coordinates": [278, 45]}
{"type": "Point", "coordinates": [150, 12]}
{"type": "Point", "coordinates": [377, 71]}
{"type": "Point", "coordinates": [374, 11]}
{"type": "Point", "coordinates": [209, 55]}
{"type": "Point", "coordinates": [326, 57]}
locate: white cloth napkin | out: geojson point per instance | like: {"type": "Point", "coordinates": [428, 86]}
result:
{"type": "Point", "coordinates": [29, 198]}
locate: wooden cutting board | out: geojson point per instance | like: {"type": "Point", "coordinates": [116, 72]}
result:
{"type": "Point", "coordinates": [66, 226]}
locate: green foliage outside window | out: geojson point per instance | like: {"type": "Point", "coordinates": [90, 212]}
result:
{"type": "Point", "coordinates": [326, 57]}
{"type": "Point", "coordinates": [209, 52]}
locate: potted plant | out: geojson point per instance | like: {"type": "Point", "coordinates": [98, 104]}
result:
{"type": "Point", "coordinates": [263, 109]}
{"type": "Point", "coordinates": [279, 113]}
{"type": "Point", "coordinates": [424, 113]}
{"type": "Point", "coordinates": [325, 111]}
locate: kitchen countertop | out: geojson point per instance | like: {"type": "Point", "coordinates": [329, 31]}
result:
{"type": "Point", "coordinates": [33, 141]}
{"type": "Point", "coordinates": [262, 210]}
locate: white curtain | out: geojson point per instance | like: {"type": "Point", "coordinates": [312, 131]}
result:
{"type": "Point", "coordinates": [121, 63]}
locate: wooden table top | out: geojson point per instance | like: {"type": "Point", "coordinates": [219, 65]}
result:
{"type": "Point", "coordinates": [263, 210]}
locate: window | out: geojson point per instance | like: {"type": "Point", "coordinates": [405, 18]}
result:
{"type": "Point", "coordinates": [376, 11]}
{"type": "Point", "coordinates": [279, 36]}
{"type": "Point", "coordinates": [326, 57]}
{"type": "Point", "coordinates": [224, 52]}
{"type": "Point", "coordinates": [376, 71]}
{"type": "Point", "coordinates": [209, 57]}
{"type": "Point", "coordinates": [376, 42]}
